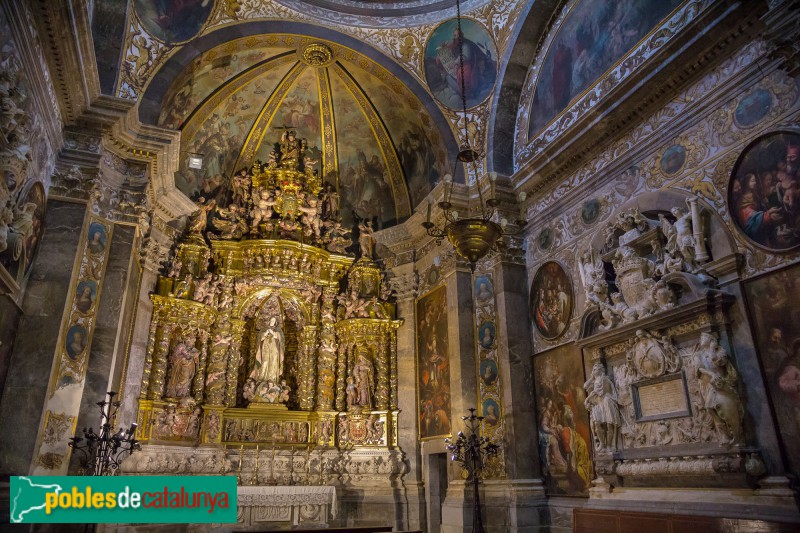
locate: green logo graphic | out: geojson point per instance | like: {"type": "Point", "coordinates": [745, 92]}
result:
{"type": "Point", "coordinates": [123, 499]}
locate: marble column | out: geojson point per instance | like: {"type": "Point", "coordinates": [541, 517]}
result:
{"type": "Point", "coordinates": [407, 433]}
{"type": "Point", "coordinates": [518, 502]}
{"type": "Point", "coordinates": [457, 506]}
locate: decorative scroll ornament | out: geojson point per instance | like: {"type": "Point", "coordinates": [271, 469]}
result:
{"type": "Point", "coordinates": [651, 256]}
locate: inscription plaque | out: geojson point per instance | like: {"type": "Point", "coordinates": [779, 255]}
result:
{"type": "Point", "coordinates": [659, 398]}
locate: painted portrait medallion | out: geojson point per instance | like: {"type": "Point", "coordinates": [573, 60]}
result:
{"type": "Point", "coordinates": [25, 224]}
{"type": "Point", "coordinates": [486, 335]}
{"type": "Point", "coordinates": [592, 38]}
{"type": "Point", "coordinates": [442, 63]}
{"type": "Point", "coordinates": [764, 191]}
{"type": "Point", "coordinates": [488, 371]}
{"type": "Point", "coordinates": [85, 296]}
{"type": "Point", "coordinates": [545, 239]}
{"type": "Point", "coordinates": [775, 312]}
{"type": "Point", "coordinates": [75, 343]}
{"type": "Point", "coordinates": [490, 412]}
{"type": "Point", "coordinates": [484, 290]}
{"type": "Point", "coordinates": [590, 211]}
{"type": "Point", "coordinates": [673, 159]}
{"type": "Point", "coordinates": [173, 22]}
{"type": "Point", "coordinates": [563, 422]}
{"type": "Point", "coordinates": [433, 364]}
{"type": "Point", "coordinates": [754, 106]}
{"type": "Point", "coordinates": [551, 300]}
{"type": "Point", "coordinates": [96, 238]}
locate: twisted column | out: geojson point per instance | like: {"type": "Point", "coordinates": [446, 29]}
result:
{"type": "Point", "coordinates": [148, 361]}
{"type": "Point", "coordinates": [158, 374]}
{"type": "Point", "coordinates": [307, 369]}
{"type": "Point", "coordinates": [233, 360]}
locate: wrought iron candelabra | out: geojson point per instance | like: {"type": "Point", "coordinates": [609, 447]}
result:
{"type": "Point", "coordinates": [104, 451]}
{"type": "Point", "coordinates": [471, 452]}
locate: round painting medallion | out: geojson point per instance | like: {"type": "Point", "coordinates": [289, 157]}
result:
{"type": "Point", "coordinates": [764, 191]}
{"type": "Point", "coordinates": [673, 159]}
{"type": "Point", "coordinates": [753, 107]}
{"type": "Point", "coordinates": [442, 66]}
{"type": "Point", "coordinates": [545, 239]}
{"type": "Point", "coordinates": [173, 22]}
{"type": "Point", "coordinates": [551, 300]}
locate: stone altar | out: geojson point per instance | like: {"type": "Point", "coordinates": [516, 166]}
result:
{"type": "Point", "coordinates": [286, 505]}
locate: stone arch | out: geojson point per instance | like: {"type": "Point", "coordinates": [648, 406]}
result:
{"type": "Point", "coordinates": [514, 65]}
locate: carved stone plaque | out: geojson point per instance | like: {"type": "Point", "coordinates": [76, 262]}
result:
{"type": "Point", "coordinates": [272, 514]}
{"type": "Point", "coordinates": [659, 398]}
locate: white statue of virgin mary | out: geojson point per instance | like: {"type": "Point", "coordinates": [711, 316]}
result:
{"type": "Point", "coordinates": [269, 354]}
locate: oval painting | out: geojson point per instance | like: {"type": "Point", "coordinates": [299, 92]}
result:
{"type": "Point", "coordinates": [545, 239]}
{"type": "Point", "coordinates": [486, 334]}
{"type": "Point", "coordinates": [673, 159]}
{"type": "Point", "coordinates": [753, 107]}
{"type": "Point", "coordinates": [442, 63]}
{"type": "Point", "coordinates": [551, 300]}
{"type": "Point", "coordinates": [173, 22]}
{"type": "Point", "coordinates": [488, 372]}
{"type": "Point", "coordinates": [764, 191]}
{"type": "Point", "coordinates": [590, 210]}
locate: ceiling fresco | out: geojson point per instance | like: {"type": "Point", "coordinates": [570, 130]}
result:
{"type": "Point", "coordinates": [366, 131]}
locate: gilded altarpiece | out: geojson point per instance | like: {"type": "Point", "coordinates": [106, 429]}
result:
{"type": "Point", "coordinates": [269, 340]}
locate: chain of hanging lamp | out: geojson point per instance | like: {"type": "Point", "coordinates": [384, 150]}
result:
{"type": "Point", "coordinates": [471, 237]}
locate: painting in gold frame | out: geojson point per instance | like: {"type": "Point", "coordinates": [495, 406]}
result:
{"type": "Point", "coordinates": [433, 364]}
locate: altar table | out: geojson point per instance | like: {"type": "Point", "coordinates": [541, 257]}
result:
{"type": "Point", "coordinates": [293, 505]}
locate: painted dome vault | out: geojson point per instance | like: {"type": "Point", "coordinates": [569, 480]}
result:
{"type": "Point", "coordinates": [367, 133]}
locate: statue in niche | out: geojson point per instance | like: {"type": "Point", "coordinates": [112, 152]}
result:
{"type": "Point", "coordinates": [363, 374]}
{"type": "Point", "coordinates": [183, 365]}
{"type": "Point", "coordinates": [718, 380]}
{"type": "Point", "coordinates": [602, 404]}
{"type": "Point", "coordinates": [269, 354]}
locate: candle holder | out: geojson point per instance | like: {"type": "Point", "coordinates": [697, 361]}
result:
{"type": "Point", "coordinates": [104, 451]}
{"type": "Point", "coordinates": [471, 451]}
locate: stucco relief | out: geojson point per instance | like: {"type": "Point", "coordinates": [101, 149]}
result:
{"type": "Point", "coordinates": [712, 148]}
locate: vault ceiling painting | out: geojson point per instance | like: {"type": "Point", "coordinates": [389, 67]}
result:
{"type": "Point", "coordinates": [365, 130]}
{"type": "Point", "coordinates": [235, 71]}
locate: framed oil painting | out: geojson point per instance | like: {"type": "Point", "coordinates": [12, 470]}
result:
{"type": "Point", "coordinates": [442, 63]}
{"type": "Point", "coordinates": [775, 313]}
{"type": "Point", "coordinates": [24, 223]}
{"type": "Point", "coordinates": [173, 22]}
{"type": "Point", "coordinates": [433, 365]}
{"type": "Point", "coordinates": [594, 35]}
{"type": "Point", "coordinates": [562, 421]}
{"type": "Point", "coordinates": [764, 191]}
{"type": "Point", "coordinates": [552, 300]}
